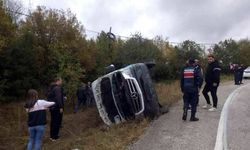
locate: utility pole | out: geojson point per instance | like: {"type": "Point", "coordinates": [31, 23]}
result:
{"type": "Point", "coordinates": [111, 38]}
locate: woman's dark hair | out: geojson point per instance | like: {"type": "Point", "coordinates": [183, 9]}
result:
{"type": "Point", "coordinates": [32, 97]}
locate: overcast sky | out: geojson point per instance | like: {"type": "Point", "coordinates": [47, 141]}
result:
{"type": "Point", "coordinates": [208, 21]}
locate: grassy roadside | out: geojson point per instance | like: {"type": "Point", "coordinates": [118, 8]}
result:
{"type": "Point", "coordinates": [226, 77]}
{"type": "Point", "coordinates": [84, 130]}
{"type": "Point", "coordinates": [168, 93]}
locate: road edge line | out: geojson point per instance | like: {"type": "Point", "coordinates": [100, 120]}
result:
{"type": "Point", "coordinates": [221, 139]}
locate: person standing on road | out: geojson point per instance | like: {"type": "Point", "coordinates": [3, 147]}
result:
{"type": "Point", "coordinates": [236, 70]}
{"type": "Point", "coordinates": [36, 109]}
{"type": "Point", "coordinates": [56, 95]}
{"type": "Point", "coordinates": [190, 82]}
{"type": "Point", "coordinates": [241, 70]}
{"type": "Point", "coordinates": [212, 79]}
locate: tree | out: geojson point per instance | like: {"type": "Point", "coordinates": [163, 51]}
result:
{"type": "Point", "coordinates": [49, 43]}
{"type": "Point", "coordinates": [244, 51]}
{"type": "Point", "coordinates": [55, 32]}
{"type": "Point", "coordinates": [7, 28]}
{"type": "Point", "coordinates": [167, 65]}
{"type": "Point", "coordinates": [184, 51]}
{"type": "Point", "coordinates": [227, 52]}
{"type": "Point", "coordinates": [104, 53]}
{"type": "Point", "coordinates": [14, 9]}
{"type": "Point", "coordinates": [189, 49]}
{"type": "Point", "coordinates": [137, 50]}
{"type": "Point", "coordinates": [7, 36]}
{"type": "Point", "coordinates": [88, 59]}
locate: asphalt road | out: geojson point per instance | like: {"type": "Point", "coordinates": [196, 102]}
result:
{"type": "Point", "coordinates": [238, 124]}
{"type": "Point", "coordinates": [169, 132]}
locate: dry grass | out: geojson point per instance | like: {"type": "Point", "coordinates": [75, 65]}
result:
{"type": "Point", "coordinates": [226, 77]}
{"type": "Point", "coordinates": [168, 93]}
{"type": "Point", "coordinates": [83, 130]}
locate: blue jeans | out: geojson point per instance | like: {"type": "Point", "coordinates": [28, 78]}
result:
{"type": "Point", "coordinates": [36, 134]}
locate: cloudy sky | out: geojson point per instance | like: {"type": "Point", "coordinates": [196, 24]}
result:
{"type": "Point", "coordinates": [203, 21]}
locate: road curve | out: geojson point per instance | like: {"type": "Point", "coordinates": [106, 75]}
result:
{"type": "Point", "coordinates": [169, 132]}
{"type": "Point", "coordinates": [238, 123]}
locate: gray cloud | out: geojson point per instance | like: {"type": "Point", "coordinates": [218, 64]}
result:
{"type": "Point", "coordinates": [199, 20]}
{"type": "Point", "coordinates": [208, 21]}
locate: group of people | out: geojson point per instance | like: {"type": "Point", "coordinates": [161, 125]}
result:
{"type": "Point", "coordinates": [238, 73]}
{"type": "Point", "coordinates": [36, 109]}
{"type": "Point", "coordinates": [191, 83]}
{"type": "Point", "coordinates": [84, 95]}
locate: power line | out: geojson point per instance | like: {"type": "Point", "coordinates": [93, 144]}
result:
{"type": "Point", "coordinates": [126, 37]}
{"type": "Point", "coordinates": [92, 31]}
{"type": "Point", "coordinates": [171, 42]}
{"type": "Point", "coordinates": [19, 13]}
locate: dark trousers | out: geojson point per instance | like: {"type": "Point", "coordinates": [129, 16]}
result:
{"type": "Point", "coordinates": [55, 123]}
{"type": "Point", "coordinates": [190, 98]}
{"type": "Point", "coordinates": [237, 78]}
{"type": "Point", "coordinates": [197, 99]}
{"type": "Point", "coordinates": [241, 77]}
{"type": "Point", "coordinates": [213, 90]}
{"type": "Point", "coordinates": [79, 103]}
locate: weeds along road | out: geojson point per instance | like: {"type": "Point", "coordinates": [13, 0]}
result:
{"type": "Point", "coordinates": [169, 132]}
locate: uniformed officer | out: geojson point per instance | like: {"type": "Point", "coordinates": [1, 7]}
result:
{"type": "Point", "coordinates": [190, 82]}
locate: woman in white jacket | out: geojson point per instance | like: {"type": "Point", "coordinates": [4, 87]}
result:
{"type": "Point", "coordinates": [36, 109]}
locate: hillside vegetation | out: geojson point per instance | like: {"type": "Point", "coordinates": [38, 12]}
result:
{"type": "Point", "coordinates": [83, 130]}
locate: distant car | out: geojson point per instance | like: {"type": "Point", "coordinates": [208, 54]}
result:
{"type": "Point", "coordinates": [246, 73]}
{"type": "Point", "coordinates": [125, 94]}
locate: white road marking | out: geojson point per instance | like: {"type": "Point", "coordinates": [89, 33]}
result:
{"type": "Point", "coordinates": [221, 139]}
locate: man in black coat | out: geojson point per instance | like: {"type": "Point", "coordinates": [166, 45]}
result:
{"type": "Point", "coordinates": [81, 96]}
{"type": "Point", "coordinates": [236, 70]}
{"type": "Point", "coordinates": [241, 70]}
{"type": "Point", "coordinates": [55, 94]}
{"type": "Point", "coordinates": [212, 79]}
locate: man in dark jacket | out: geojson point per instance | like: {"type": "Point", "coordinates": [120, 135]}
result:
{"type": "Point", "coordinates": [241, 68]}
{"type": "Point", "coordinates": [236, 70]}
{"type": "Point", "coordinates": [200, 72]}
{"type": "Point", "coordinates": [81, 96]}
{"type": "Point", "coordinates": [190, 83]}
{"type": "Point", "coordinates": [55, 94]}
{"type": "Point", "coordinates": [212, 79]}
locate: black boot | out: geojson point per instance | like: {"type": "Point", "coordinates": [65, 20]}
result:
{"type": "Point", "coordinates": [184, 116]}
{"type": "Point", "coordinates": [193, 118]}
